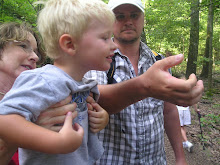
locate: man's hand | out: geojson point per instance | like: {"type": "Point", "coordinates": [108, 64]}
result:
{"type": "Point", "coordinates": [159, 83]}
{"type": "Point", "coordinates": [98, 117]}
{"type": "Point", "coordinates": [56, 114]}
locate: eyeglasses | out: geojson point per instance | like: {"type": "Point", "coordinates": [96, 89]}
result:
{"type": "Point", "coordinates": [123, 17]}
{"type": "Point", "coordinates": [26, 47]}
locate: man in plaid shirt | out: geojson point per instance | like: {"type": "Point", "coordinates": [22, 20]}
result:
{"type": "Point", "coordinates": [135, 135]}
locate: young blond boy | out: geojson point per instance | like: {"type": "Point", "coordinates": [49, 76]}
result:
{"type": "Point", "coordinates": [77, 36]}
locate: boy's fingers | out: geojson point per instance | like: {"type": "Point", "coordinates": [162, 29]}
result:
{"type": "Point", "coordinates": [94, 120]}
{"type": "Point", "coordinates": [90, 100]}
{"type": "Point", "coordinates": [97, 107]}
{"type": "Point", "coordinates": [96, 110]}
{"type": "Point", "coordinates": [94, 130]}
{"type": "Point", "coordinates": [89, 106]}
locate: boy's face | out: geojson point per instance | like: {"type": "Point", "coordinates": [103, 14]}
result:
{"type": "Point", "coordinates": [96, 48]}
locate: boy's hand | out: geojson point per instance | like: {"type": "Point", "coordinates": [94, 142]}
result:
{"type": "Point", "coordinates": [71, 134]}
{"type": "Point", "coordinates": [98, 117]}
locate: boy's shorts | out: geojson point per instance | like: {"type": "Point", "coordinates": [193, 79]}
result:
{"type": "Point", "coordinates": [185, 117]}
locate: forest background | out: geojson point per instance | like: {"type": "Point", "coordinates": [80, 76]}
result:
{"type": "Point", "coordinates": [189, 27]}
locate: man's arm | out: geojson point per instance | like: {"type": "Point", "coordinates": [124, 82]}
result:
{"type": "Point", "coordinates": [172, 128]}
{"type": "Point", "coordinates": [14, 129]}
{"type": "Point", "coordinates": [155, 82]}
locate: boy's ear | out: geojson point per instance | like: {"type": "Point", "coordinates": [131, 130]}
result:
{"type": "Point", "coordinates": [67, 44]}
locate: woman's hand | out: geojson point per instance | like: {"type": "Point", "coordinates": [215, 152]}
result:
{"type": "Point", "coordinates": [54, 117]}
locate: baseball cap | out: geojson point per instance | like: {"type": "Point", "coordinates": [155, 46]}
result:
{"type": "Point", "coordinates": [115, 3]}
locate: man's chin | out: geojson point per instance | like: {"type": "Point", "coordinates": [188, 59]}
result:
{"type": "Point", "coordinates": [127, 40]}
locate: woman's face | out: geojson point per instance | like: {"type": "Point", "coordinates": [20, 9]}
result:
{"type": "Point", "coordinates": [19, 56]}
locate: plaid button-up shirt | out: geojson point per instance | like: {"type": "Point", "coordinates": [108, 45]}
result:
{"type": "Point", "coordinates": [136, 134]}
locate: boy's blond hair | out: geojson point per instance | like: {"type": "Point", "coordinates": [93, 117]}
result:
{"type": "Point", "coordinates": [72, 17]}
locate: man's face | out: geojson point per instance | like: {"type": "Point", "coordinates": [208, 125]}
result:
{"type": "Point", "coordinates": [129, 23]}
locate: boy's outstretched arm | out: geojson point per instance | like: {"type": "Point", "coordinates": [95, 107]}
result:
{"type": "Point", "coordinates": [98, 117]}
{"type": "Point", "coordinates": [16, 130]}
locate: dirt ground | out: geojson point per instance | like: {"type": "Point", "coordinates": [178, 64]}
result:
{"type": "Point", "coordinates": [210, 153]}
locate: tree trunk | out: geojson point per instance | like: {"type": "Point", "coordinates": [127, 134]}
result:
{"type": "Point", "coordinates": [210, 34]}
{"type": "Point", "coordinates": [205, 68]}
{"type": "Point", "coordinates": [208, 49]}
{"type": "Point", "coordinates": [1, 6]}
{"type": "Point", "coordinates": [194, 39]}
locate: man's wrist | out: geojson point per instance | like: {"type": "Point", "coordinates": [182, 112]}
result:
{"type": "Point", "coordinates": [143, 87]}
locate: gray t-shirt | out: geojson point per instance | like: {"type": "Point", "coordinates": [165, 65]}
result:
{"type": "Point", "coordinates": [38, 89]}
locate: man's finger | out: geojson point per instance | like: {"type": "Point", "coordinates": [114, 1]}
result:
{"type": "Point", "coordinates": [171, 61]}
